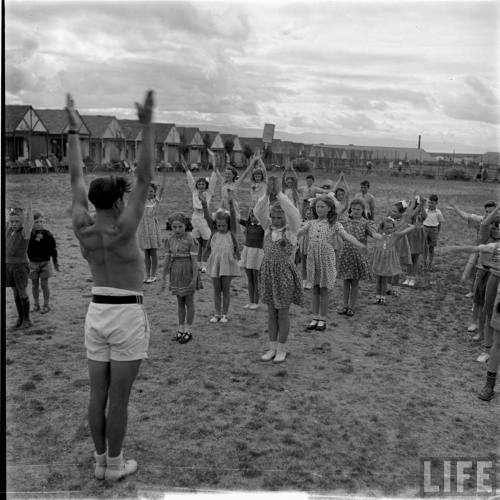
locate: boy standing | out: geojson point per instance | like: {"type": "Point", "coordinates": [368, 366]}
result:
{"type": "Point", "coordinates": [16, 261]}
{"type": "Point", "coordinates": [368, 198]}
{"type": "Point", "coordinates": [41, 248]}
{"type": "Point", "coordinates": [432, 226]}
{"type": "Point", "coordinates": [310, 191]}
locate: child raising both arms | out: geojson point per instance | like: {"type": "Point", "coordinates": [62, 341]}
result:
{"type": "Point", "coordinates": [321, 261]}
{"type": "Point", "coordinates": [279, 280]}
{"type": "Point", "coordinates": [201, 231]}
{"type": "Point", "coordinates": [222, 265]}
{"type": "Point", "coordinates": [41, 248]}
{"type": "Point", "coordinates": [182, 267]}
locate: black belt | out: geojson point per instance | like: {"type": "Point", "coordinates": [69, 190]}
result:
{"type": "Point", "coordinates": [116, 299]}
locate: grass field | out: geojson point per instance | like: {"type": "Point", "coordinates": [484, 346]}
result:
{"type": "Point", "coordinates": [352, 410]}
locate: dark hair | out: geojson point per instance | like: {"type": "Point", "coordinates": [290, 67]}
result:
{"type": "Point", "coordinates": [260, 171]}
{"type": "Point", "coordinates": [361, 203]}
{"type": "Point", "coordinates": [490, 204]}
{"type": "Point", "coordinates": [233, 170]}
{"type": "Point", "coordinates": [201, 179]}
{"type": "Point", "coordinates": [310, 176]}
{"type": "Point", "coordinates": [331, 216]}
{"type": "Point", "coordinates": [179, 217]}
{"type": "Point", "coordinates": [365, 183]}
{"type": "Point", "coordinates": [105, 191]}
{"type": "Point", "coordinates": [433, 197]}
{"type": "Point", "coordinates": [37, 215]}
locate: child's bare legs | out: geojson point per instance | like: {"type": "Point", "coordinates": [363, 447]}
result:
{"type": "Point", "coordinates": [154, 262]}
{"type": "Point", "coordinates": [431, 257]}
{"type": "Point", "coordinates": [46, 292]}
{"type": "Point", "coordinates": [217, 283]}
{"type": "Point", "coordinates": [304, 266]}
{"type": "Point", "coordinates": [347, 292]}
{"type": "Point", "coordinates": [181, 312]}
{"type": "Point", "coordinates": [351, 288]}
{"type": "Point", "coordinates": [272, 330]}
{"type": "Point", "coordinates": [492, 368]}
{"type": "Point", "coordinates": [147, 262]}
{"type": "Point", "coordinates": [283, 324]}
{"type": "Point", "coordinates": [252, 284]}
{"type": "Point", "coordinates": [226, 289]}
{"type": "Point", "coordinates": [36, 293]}
{"type": "Point", "coordinates": [323, 302]}
{"type": "Point", "coordinates": [202, 244]}
{"type": "Point", "coordinates": [189, 301]}
{"type": "Point", "coordinates": [315, 301]}
{"type": "Point", "coordinates": [381, 288]}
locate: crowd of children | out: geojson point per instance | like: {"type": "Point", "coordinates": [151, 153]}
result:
{"type": "Point", "coordinates": [294, 240]}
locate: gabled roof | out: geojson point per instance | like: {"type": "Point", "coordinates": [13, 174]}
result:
{"type": "Point", "coordinates": [56, 121]}
{"type": "Point", "coordinates": [98, 124]}
{"type": "Point", "coordinates": [234, 138]}
{"type": "Point", "coordinates": [131, 128]}
{"type": "Point", "coordinates": [187, 134]}
{"type": "Point", "coordinates": [212, 136]}
{"type": "Point", "coordinates": [23, 117]}
{"type": "Point", "coordinates": [162, 130]}
{"type": "Point", "coordinates": [14, 113]}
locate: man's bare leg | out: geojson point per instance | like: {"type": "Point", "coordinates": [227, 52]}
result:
{"type": "Point", "coordinates": [99, 385]}
{"type": "Point", "coordinates": [122, 376]}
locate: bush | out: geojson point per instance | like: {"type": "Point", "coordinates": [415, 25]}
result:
{"type": "Point", "coordinates": [457, 174]}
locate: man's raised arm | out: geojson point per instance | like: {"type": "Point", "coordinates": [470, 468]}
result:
{"type": "Point", "coordinates": [78, 186]}
{"type": "Point", "coordinates": [134, 210]}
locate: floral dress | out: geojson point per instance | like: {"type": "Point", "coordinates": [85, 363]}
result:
{"type": "Point", "coordinates": [279, 282]}
{"type": "Point", "coordinates": [353, 262]}
{"type": "Point", "coordinates": [149, 229]}
{"type": "Point", "coordinates": [181, 250]}
{"type": "Point", "coordinates": [321, 261]}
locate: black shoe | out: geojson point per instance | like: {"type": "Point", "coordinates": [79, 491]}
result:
{"type": "Point", "coordinates": [186, 337]}
{"type": "Point", "coordinates": [177, 336]}
{"type": "Point", "coordinates": [312, 325]}
{"type": "Point", "coordinates": [343, 311]}
{"type": "Point", "coordinates": [321, 326]}
{"type": "Point", "coordinates": [486, 393]}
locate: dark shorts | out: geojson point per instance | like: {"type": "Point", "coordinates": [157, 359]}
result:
{"type": "Point", "coordinates": [41, 270]}
{"type": "Point", "coordinates": [490, 294]}
{"type": "Point", "coordinates": [495, 316]}
{"type": "Point", "coordinates": [480, 286]}
{"type": "Point", "coordinates": [16, 275]}
{"type": "Point", "coordinates": [431, 234]}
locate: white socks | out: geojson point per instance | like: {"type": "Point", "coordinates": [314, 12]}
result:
{"type": "Point", "coordinates": [100, 465]}
{"type": "Point", "coordinates": [118, 468]}
{"type": "Point", "coordinates": [270, 353]}
{"type": "Point", "coordinates": [280, 353]}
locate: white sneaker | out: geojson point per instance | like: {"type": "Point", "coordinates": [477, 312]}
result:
{"type": "Point", "coordinates": [308, 285]}
{"type": "Point", "coordinates": [477, 337]}
{"type": "Point", "coordinates": [406, 282]}
{"type": "Point", "coordinates": [116, 472]}
{"type": "Point", "coordinates": [472, 328]}
{"type": "Point", "coordinates": [247, 306]}
{"type": "Point", "coordinates": [223, 319]}
{"type": "Point", "coordinates": [254, 306]}
{"type": "Point", "coordinates": [483, 357]}
{"type": "Point", "coordinates": [469, 295]}
{"type": "Point", "coordinates": [268, 355]}
{"type": "Point", "coordinates": [215, 319]}
{"type": "Point", "coordinates": [411, 283]}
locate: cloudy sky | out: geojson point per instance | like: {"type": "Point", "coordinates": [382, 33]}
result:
{"type": "Point", "coordinates": [366, 72]}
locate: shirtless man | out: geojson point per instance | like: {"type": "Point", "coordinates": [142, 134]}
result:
{"type": "Point", "coordinates": [116, 326]}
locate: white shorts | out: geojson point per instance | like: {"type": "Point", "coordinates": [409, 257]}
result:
{"type": "Point", "coordinates": [251, 258]}
{"type": "Point", "coordinates": [200, 227]}
{"type": "Point", "coordinates": [118, 332]}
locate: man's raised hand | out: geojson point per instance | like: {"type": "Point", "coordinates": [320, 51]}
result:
{"type": "Point", "coordinates": [71, 113]}
{"type": "Point", "coordinates": [145, 111]}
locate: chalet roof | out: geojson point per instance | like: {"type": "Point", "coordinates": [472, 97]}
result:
{"type": "Point", "coordinates": [97, 124]}
{"type": "Point", "coordinates": [234, 138]}
{"type": "Point", "coordinates": [187, 134]}
{"type": "Point", "coordinates": [131, 128]}
{"type": "Point", "coordinates": [162, 130]}
{"type": "Point", "coordinates": [56, 121]}
{"type": "Point", "coordinates": [212, 137]}
{"type": "Point", "coordinates": [14, 113]}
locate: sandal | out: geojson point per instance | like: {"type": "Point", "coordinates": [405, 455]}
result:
{"type": "Point", "coordinates": [45, 309]}
{"type": "Point", "coordinates": [186, 337]}
{"type": "Point", "coordinates": [177, 336]}
{"type": "Point", "coordinates": [344, 311]}
{"type": "Point", "coordinates": [349, 312]}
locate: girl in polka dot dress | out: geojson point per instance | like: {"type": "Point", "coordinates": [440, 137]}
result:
{"type": "Point", "coordinates": [354, 264]}
{"type": "Point", "coordinates": [321, 264]}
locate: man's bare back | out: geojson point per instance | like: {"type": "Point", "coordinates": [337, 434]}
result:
{"type": "Point", "coordinates": [108, 241]}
